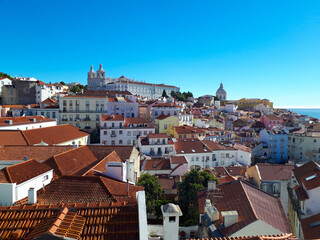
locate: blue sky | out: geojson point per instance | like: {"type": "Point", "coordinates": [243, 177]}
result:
{"type": "Point", "coordinates": [258, 49]}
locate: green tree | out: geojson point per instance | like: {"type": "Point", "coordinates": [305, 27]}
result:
{"type": "Point", "coordinates": [164, 94]}
{"type": "Point", "coordinates": [5, 75]}
{"type": "Point", "coordinates": [152, 189]}
{"type": "Point", "coordinates": [187, 190]}
{"type": "Point", "coordinates": [63, 83]}
{"type": "Point", "coordinates": [181, 96]}
{"type": "Point", "coordinates": [160, 202]}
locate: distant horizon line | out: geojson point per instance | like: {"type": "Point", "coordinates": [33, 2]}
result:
{"type": "Point", "coordinates": [286, 107]}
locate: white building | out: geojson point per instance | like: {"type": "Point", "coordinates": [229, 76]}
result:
{"type": "Point", "coordinates": [170, 109]}
{"type": "Point", "coordinates": [156, 145]}
{"type": "Point", "coordinates": [4, 81]}
{"type": "Point", "coordinates": [44, 91]}
{"type": "Point", "coordinates": [25, 123]}
{"type": "Point", "coordinates": [186, 119]}
{"type": "Point", "coordinates": [23, 180]}
{"type": "Point", "coordinates": [206, 154]}
{"type": "Point", "coordinates": [117, 130]}
{"type": "Point", "coordinates": [99, 81]}
{"type": "Point", "coordinates": [48, 108]}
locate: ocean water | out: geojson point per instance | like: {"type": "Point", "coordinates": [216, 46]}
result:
{"type": "Point", "coordinates": [312, 112]}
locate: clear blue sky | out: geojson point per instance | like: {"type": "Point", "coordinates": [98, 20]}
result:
{"type": "Point", "coordinates": [258, 49]}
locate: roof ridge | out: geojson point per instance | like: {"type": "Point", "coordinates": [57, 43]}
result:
{"type": "Point", "coordinates": [25, 137]}
{"type": "Point", "coordinates": [253, 210]}
{"type": "Point", "coordinates": [69, 150]}
{"type": "Point", "coordinates": [106, 187]}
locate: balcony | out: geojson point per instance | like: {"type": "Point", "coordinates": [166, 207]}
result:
{"type": "Point", "coordinates": [113, 135]}
{"type": "Point", "coordinates": [64, 119]}
{"type": "Point", "coordinates": [87, 119]}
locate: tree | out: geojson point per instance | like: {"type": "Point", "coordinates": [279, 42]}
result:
{"type": "Point", "coordinates": [63, 83]}
{"type": "Point", "coordinates": [187, 190]}
{"type": "Point", "coordinates": [75, 89]}
{"type": "Point", "coordinates": [5, 75]}
{"type": "Point", "coordinates": [152, 189]}
{"type": "Point", "coordinates": [164, 94]}
{"type": "Point", "coordinates": [181, 96]}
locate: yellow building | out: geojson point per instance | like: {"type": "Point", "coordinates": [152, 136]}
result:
{"type": "Point", "coordinates": [252, 102]}
{"type": "Point", "coordinates": [163, 123]}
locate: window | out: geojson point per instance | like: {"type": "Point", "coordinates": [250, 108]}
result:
{"type": "Point", "coordinates": [172, 219]}
{"type": "Point", "coordinates": [120, 132]}
{"type": "Point", "coordinates": [129, 133]}
{"type": "Point", "coordinates": [129, 142]}
{"type": "Point", "coordinates": [64, 103]}
{"type": "Point", "coordinates": [53, 115]}
{"type": "Point", "coordinates": [265, 187]}
{"type": "Point", "coordinates": [120, 141]}
{"type": "Point", "coordinates": [77, 125]}
{"type": "Point", "coordinates": [276, 188]}
{"type": "Point", "coordinates": [166, 126]}
{"type": "Point", "coordinates": [46, 177]}
{"type": "Point", "coordinates": [105, 133]}
{"type": "Point", "coordinates": [97, 118]}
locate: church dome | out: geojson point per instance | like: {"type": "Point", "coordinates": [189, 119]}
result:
{"type": "Point", "coordinates": [221, 90]}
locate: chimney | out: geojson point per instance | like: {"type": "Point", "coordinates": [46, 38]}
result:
{"type": "Point", "coordinates": [211, 185]}
{"type": "Point", "coordinates": [229, 218]}
{"type": "Point", "coordinates": [211, 211]}
{"type": "Point", "coordinates": [32, 196]}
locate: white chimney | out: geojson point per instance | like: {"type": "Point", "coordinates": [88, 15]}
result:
{"type": "Point", "coordinates": [211, 211]}
{"type": "Point", "coordinates": [229, 218]}
{"type": "Point", "coordinates": [211, 185]}
{"type": "Point", "coordinates": [32, 196]}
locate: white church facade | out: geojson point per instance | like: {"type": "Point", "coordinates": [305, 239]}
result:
{"type": "Point", "coordinates": [98, 81]}
{"type": "Point", "coordinates": [221, 93]}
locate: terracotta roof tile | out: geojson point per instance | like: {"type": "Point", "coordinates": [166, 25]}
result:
{"type": "Point", "coordinates": [53, 135]}
{"type": "Point", "coordinates": [10, 137]}
{"type": "Point", "coordinates": [178, 160]}
{"type": "Point", "coordinates": [286, 236]}
{"type": "Point", "coordinates": [24, 171]}
{"type": "Point", "coordinates": [114, 117]}
{"type": "Point", "coordinates": [190, 146]}
{"type": "Point", "coordinates": [100, 151]}
{"type": "Point", "coordinates": [308, 174]}
{"type": "Point", "coordinates": [251, 204]}
{"type": "Point", "coordinates": [164, 105]}
{"type": "Point", "coordinates": [39, 153]}
{"type": "Point", "coordinates": [73, 162]}
{"type": "Point", "coordinates": [311, 227]}
{"type": "Point", "coordinates": [101, 221]}
{"type": "Point", "coordinates": [4, 121]}
{"type": "Point", "coordinates": [275, 171]}
{"type": "Point", "coordinates": [128, 121]}
{"type": "Point", "coordinates": [157, 135]}
{"type": "Point", "coordinates": [157, 164]}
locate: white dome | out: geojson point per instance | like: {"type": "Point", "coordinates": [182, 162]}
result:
{"type": "Point", "coordinates": [221, 90]}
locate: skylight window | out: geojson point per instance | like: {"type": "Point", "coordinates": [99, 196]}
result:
{"type": "Point", "coordinates": [314, 224]}
{"type": "Point", "coordinates": [205, 150]}
{"type": "Point", "coordinates": [311, 177]}
{"type": "Point", "coordinates": [193, 150]}
{"type": "Point", "coordinates": [182, 151]}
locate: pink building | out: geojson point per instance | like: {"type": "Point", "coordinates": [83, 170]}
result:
{"type": "Point", "coordinates": [271, 121]}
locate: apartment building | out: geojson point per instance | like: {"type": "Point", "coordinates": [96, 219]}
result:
{"type": "Point", "coordinates": [304, 145]}
{"type": "Point", "coordinates": [85, 110]}
{"type": "Point", "coordinates": [118, 130]}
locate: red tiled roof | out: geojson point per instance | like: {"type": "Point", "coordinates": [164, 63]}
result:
{"type": "Point", "coordinates": [23, 171]}
{"type": "Point", "coordinates": [251, 204]}
{"type": "Point", "coordinates": [311, 227]}
{"type": "Point", "coordinates": [4, 121]}
{"type": "Point", "coordinates": [166, 183]}
{"type": "Point", "coordinates": [115, 99]}
{"type": "Point", "coordinates": [100, 151]}
{"type": "Point", "coordinates": [286, 236]}
{"type": "Point", "coordinates": [187, 130]}
{"type": "Point", "coordinates": [214, 146]}
{"type": "Point", "coordinates": [102, 221]}
{"type": "Point", "coordinates": [307, 170]}
{"type": "Point", "coordinates": [166, 105]}
{"type": "Point", "coordinates": [73, 162]}
{"type": "Point", "coordinates": [301, 193]}
{"type": "Point", "coordinates": [39, 153]}
{"type": "Point", "coordinates": [157, 135]}
{"type": "Point", "coordinates": [272, 117]}
{"type": "Point", "coordinates": [190, 146]}
{"type": "Point", "coordinates": [65, 224]}
{"type": "Point", "coordinates": [157, 164]}
{"type": "Point", "coordinates": [114, 117]}
{"type": "Point", "coordinates": [138, 120]}
{"type": "Point", "coordinates": [53, 135]}
{"type": "Point", "coordinates": [178, 160]}
{"type": "Point", "coordinates": [275, 171]}
{"type": "Point", "coordinates": [49, 101]}
{"type": "Point", "coordinates": [12, 138]}
{"type": "Point", "coordinates": [230, 170]}
{"type": "Point", "coordinates": [162, 116]}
